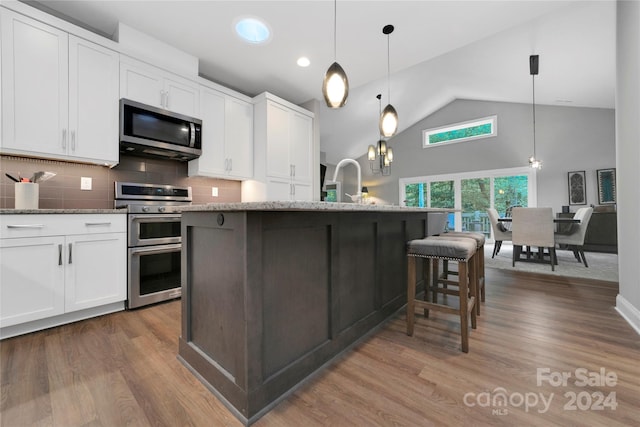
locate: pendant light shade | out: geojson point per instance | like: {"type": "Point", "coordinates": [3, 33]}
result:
{"type": "Point", "coordinates": [389, 121]}
{"type": "Point", "coordinates": [335, 86]}
{"type": "Point", "coordinates": [389, 116]}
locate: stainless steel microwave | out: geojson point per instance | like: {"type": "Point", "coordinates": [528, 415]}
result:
{"type": "Point", "coordinates": [153, 132]}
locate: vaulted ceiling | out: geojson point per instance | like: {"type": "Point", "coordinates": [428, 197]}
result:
{"type": "Point", "coordinates": [439, 51]}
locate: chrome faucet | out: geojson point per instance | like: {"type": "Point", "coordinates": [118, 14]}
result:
{"type": "Point", "coordinates": [358, 197]}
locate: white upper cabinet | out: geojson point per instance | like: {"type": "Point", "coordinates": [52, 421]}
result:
{"type": "Point", "coordinates": [159, 88]}
{"type": "Point", "coordinates": [227, 137]}
{"type": "Point", "coordinates": [239, 137]}
{"type": "Point", "coordinates": [277, 141]}
{"type": "Point", "coordinates": [59, 93]}
{"type": "Point", "coordinates": [300, 148]}
{"type": "Point", "coordinates": [34, 85]}
{"type": "Point", "coordinates": [283, 147]}
{"type": "Point", "coordinates": [288, 143]}
{"type": "Point", "coordinates": [93, 101]}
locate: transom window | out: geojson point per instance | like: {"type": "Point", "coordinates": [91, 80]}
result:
{"type": "Point", "coordinates": [474, 129]}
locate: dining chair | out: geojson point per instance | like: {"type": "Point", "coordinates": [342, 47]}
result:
{"type": "Point", "coordinates": [574, 236]}
{"type": "Point", "coordinates": [533, 227]}
{"type": "Point", "coordinates": [500, 232]}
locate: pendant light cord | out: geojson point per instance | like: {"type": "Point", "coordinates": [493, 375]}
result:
{"type": "Point", "coordinates": [335, 29]}
{"type": "Point", "coordinates": [533, 80]}
{"type": "Point", "coordinates": [388, 69]}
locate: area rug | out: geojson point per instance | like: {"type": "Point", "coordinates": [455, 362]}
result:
{"type": "Point", "coordinates": [602, 266]}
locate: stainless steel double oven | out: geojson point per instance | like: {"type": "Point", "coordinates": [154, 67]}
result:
{"type": "Point", "coordinates": [154, 240]}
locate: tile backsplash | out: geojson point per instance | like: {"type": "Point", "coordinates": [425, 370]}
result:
{"type": "Point", "coordinates": [63, 191]}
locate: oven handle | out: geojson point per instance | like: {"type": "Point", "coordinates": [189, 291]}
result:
{"type": "Point", "coordinates": [155, 249]}
{"type": "Point", "coordinates": [156, 217]}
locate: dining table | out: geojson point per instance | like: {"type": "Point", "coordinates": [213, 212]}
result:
{"type": "Point", "coordinates": [540, 257]}
{"type": "Point", "coordinates": [555, 220]}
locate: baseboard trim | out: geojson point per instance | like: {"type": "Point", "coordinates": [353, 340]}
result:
{"type": "Point", "coordinates": [628, 312]}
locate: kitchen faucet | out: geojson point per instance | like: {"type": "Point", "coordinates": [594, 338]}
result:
{"type": "Point", "coordinates": [358, 197]}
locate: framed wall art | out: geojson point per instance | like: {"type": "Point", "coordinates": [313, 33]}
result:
{"type": "Point", "coordinates": [577, 188]}
{"type": "Point", "coordinates": [606, 186]}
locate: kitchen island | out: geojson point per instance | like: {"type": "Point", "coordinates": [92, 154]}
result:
{"type": "Point", "coordinates": [272, 291]}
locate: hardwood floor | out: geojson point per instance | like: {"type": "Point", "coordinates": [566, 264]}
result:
{"type": "Point", "coordinates": [121, 369]}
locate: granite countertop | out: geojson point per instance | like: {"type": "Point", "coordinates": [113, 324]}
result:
{"type": "Point", "coordinates": [61, 211]}
{"type": "Point", "coordinates": [306, 206]}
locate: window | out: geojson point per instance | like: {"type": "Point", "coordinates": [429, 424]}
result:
{"type": "Point", "coordinates": [475, 129]}
{"type": "Point", "coordinates": [471, 194]}
{"type": "Point", "coordinates": [435, 194]}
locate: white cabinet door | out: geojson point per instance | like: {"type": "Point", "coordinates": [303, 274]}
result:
{"type": "Point", "coordinates": [212, 162]}
{"type": "Point", "coordinates": [279, 190]}
{"type": "Point", "coordinates": [239, 138]}
{"type": "Point", "coordinates": [156, 87]}
{"type": "Point", "coordinates": [278, 163]}
{"type": "Point", "coordinates": [301, 143]}
{"type": "Point", "coordinates": [93, 101]}
{"type": "Point", "coordinates": [31, 279]}
{"type": "Point", "coordinates": [141, 83]}
{"type": "Point", "coordinates": [95, 270]}
{"type": "Point", "coordinates": [182, 97]}
{"type": "Point", "coordinates": [302, 192]}
{"type": "Point", "coordinates": [34, 86]}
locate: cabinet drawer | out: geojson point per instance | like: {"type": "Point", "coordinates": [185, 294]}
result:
{"type": "Point", "coordinates": [40, 225]}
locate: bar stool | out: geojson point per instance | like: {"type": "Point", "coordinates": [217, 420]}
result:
{"type": "Point", "coordinates": [480, 240]}
{"type": "Point", "coordinates": [462, 251]}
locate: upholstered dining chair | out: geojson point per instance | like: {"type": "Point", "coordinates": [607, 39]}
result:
{"type": "Point", "coordinates": [533, 227]}
{"type": "Point", "coordinates": [500, 232]}
{"type": "Point", "coordinates": [574, 236]}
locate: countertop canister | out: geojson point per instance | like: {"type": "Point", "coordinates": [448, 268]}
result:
{"type": "Point", "coordinates": [26, 195]}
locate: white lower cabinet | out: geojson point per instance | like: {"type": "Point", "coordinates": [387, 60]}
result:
{"type": "Point", "coordinates": [32, 276]}
{"type": "Point", "coordinates": [56, 269]}
{"type": "Point", "coordinates": [95, 270]}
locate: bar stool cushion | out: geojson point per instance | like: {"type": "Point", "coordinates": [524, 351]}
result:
{"type": "Point", "coordinates": [478, 237]}
{"type": "Point", "coordinates": [442, 248]}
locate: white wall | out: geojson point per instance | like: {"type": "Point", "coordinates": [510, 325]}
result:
{"type": "Point", "coordinates": [628, 158]}
{"type": "Point", "coordinates": [567, 139]}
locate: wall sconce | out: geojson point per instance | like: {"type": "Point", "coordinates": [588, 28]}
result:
{"type": "Point", "coordinates": [381, 151]}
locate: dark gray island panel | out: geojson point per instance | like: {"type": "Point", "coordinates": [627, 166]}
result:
{"type": "Point", "coordinates": [270, 296]}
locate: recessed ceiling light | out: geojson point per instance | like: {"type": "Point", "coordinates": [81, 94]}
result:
{"type": "Point", "coordinates": [303, 61]}
{"type": "Point", "coordinates": [252, 30]}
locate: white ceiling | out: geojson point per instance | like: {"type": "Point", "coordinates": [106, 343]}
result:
{"type": "Point", "coordinates": [439, 51]}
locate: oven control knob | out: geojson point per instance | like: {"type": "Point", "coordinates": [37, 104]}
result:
{"type": "Point", "coordinates": [145, 209]}
{"type": "Point", "coordinates": [161, 209]}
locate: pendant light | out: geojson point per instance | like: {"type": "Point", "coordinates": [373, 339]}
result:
{"type": "Point", "coordinates": [533, 70]}
{"type": "Point", "coordinates": [381, 151]}
{"type": "Point", "coordinates": [335, 86]}
{"type": "Point", "coordinates": [389, 117]}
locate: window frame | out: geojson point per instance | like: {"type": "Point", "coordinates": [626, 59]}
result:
{"type": "Point", "coordinates": [493, 120]}
{"type": "Point", "coordinates": [532, 198]}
